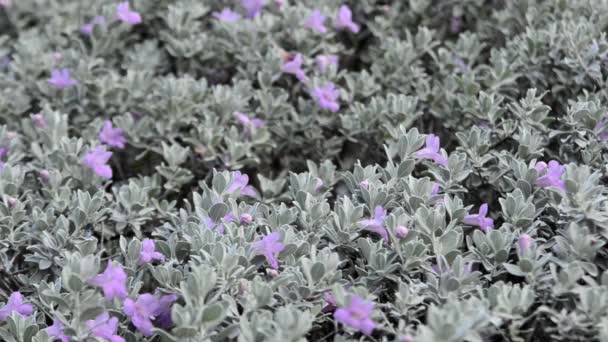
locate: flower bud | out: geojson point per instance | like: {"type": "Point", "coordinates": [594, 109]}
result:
{"type": "Point", "coordinates": [10, 202]}
{"type": "Point", "coordinates": [272, 273]}
{"type": "Point", "coordinates": [44, 176]}
{"type": "Point", "coordinates": [364, 184]}
{"type": "Point", "coordinates": [524, 242]}
{"type": "Point", "coordinates": [39, 121]}
{"type": "Point", "coordinates": [401, 232]}
{"type": "Point", "coordinates": [246, 218]}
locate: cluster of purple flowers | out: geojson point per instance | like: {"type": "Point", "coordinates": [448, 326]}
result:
{"type": "Point", "coordinates": [343, 20]}
{"type": "Point", "coordinates": [97, 158]}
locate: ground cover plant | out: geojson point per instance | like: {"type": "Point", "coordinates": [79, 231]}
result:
{"type": "Point", "coordinates": [325, 170]}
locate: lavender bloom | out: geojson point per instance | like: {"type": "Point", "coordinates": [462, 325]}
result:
{"type": "Point", "coordinates": [61, 79]}
{"type": "Point", "coordinates": [125, 15]}
{"type": "Point", "coordinates": [253, 7]}
{"type": "Point", "coordinates": [550, 175]}
{"type": "Point", "coordinates": [344, 19]}
{"type": "Point", "coordinates": [364, 184]}
{"type": "Point", "coordinates": [5, 3]}
{"type": "Point", "coordinates": [44, 176]}
{"type": "Point", "coordinates": [480, 219]}
{"type": "Point", "coordinates": [239, 183]}
{"type": "Point", "coordinates": [269, 247]}
{"type": "Point", "coordinates": [435, 192]}
{"type": "Point", "coordinates": [105, 327]}
{"type": "Point", "coordinates": [112, 281]}
{"type": "Point", "coordinates": [357, 315]}
{"type": "Point", "coordinates": [401, 232]}
{"type": "Point", "coordinates": [87, 29]}
{"type": "Point", "coordinates": [218, 226]}
{"type": "Point", "coordinates": [227, 15]}
{"type": "Point", "coordinates": [97, 160]}
{"type": "Point", "coordinates": [327, 97]}
{"type": "Point", "coordinates": [331, 303]}
{"type": "Point", "coordinates": [323, 62]}
{"type": "Point", "coordinates": [247, 122]}
{"type": "Point", "coordinates": [375, 224]}
{"type": "Point", "coordinates": [315, 21]}
{"type": "Point", "coordinates": [148, 252]}
{"type": "Point", "coordinates": [112, 136]}
{"type": "Point", "coordinates": [294, 67]}
{"type": "Point", "coordinates": [39, 121]}
{"type": "Point", "coordinates": [431, 151]}
{"type": "Point", "coordinates": [455, 24]}
{"type": "Point", "coordinates": [524, 243]}
{"type": "Point", "coordinates": [56, 331]}
{"type": "Point", "coordinates": [246, 218]}
{"type": "Point", "coordinates": [601, 129]}
{"type": "Point", "coordinates": [15, 304]}
{"type": "Point", "coordinates": [3, 152]}
{"type": "Point", "coordinates": [142, 312]}
{"type": "Point", "coordinates": [319, 184]}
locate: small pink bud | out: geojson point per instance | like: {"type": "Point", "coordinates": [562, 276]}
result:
{"type": "Point", "coordinates": [401, 232]}
{"type": "Point", "coordinates": [524, 242]}
{"type": "Point", "coordinates": [39, 121]}
{"type": "Point", "coordinates": [57, 57]}
{"type": "Point", "coordinates": [406, 338]}
{"type": "Point", "coordinates": [246, 218]}
{"type": "Point", "coordinates": [272, 273]}
{"type": "Point", "coordinates": [319, 185]}
{"type": "Point", "coordinates": [364, 184]}
{"type": "Point", "coordinates": [5, 3]}
{"type": "Point", "coordinates": [44, 176]}
{"type": "Point", "coordinates": [10, 202]}
{"type": "Point", "coordinates": [279, 3]}
{"type": "Point", "coordinates": [11, 135]}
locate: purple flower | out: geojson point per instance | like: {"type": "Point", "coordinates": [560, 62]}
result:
{"type": "Point", "coordinates": [524, 242]}
{"type": "Point", "coordinates": [601, 129]}
{"type": "Point", "coordinates": [253, 7]}
{"type": "Point", "coordinates": [344, 19]}
{"type": "Point", "coordinates": [44, 175]}
{"type": "Point", "coordinates": [5, 3]}
{"type": "Point", "coordinates": [125, 15]}
{"type": "Point", "coordinates": [431, 151]}
{"type": "Point", "coordinates": [148, 252]}
{"type": "Point", "coordinates": [294, 67]}
{"type": "Point", "coordinates": [247, 122]}
{"type": "Point", "coordinates": [3, 152]}
{"type": "Point", "coordinates": [331, 303]}
{"type": "Point", "coordinates": [239, 183]}
{"type": "Point", "coordinates": [39, 121]}
{"type": "Point", "coordinates": [61, 79]}
{"type": "Point", "coordinates": [480, 219]}
{"type": "Point", "coordinates": [246, 218]}
{"type": "Point", "coordinates": [315, 21]}
{"type": "Point", "coordinates": [376, 224]}
{"type": "Point", "coordinates": [15, 304]}
{"type": "Point", "coordinates": [227, 15]}
{"type": "Point", "coordinates": [364, 184]}
{"type": "Point", "coordinates": [56, 331]}
{"type": "Point", "coordinates": [327, 97]}
{"type": "Point", "coordinates": [455, 24]}
{"type": "Point", "coordinates": [401, 232]}
{"type": "Point", "coordinates": [550, 175]}
{"type": "Point", "coordinates": [112, 136]}
{"type": "Point", "coordinates": [319, 184]}
{"type": "Point", "coordinates": [105, 327]}
{"type": "Point", "coordinates": [149, 310]}
{"type": "Point", "coordinates": [435, 192]}
{"type": "Point", "coordinates": [112, 281]}
{"type": "Point", "coordinates": [323, 62]}
{"type": "Point", "coordinates": [87, 29]}
{"type": "Point", "coordinates": [269, 247]}
{"type": "Point", "coordinates": [97, 160]}
{"type": "Point", "coordinates": [357, 315]}
{"type": "Point", "coordinates": [218, 226]}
